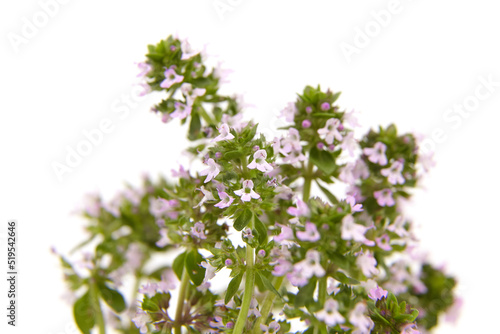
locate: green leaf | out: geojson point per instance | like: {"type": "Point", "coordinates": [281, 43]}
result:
{"type": "Point", "coordinates": [261, 230]}
{"type": "Point", "coordinates": [194, 126]}
{"type": "Point", "coordinates": [193, 266]}
{"type": "Point", "coordinates": [335, 97]}
{"type": "Point", "coordinates": [84, 313]}
{"type": "Point", "coordinates": [328, 194]}
{"type": "Point", "coordinates": [322, 115]}
{"type": "Point", "coordinates": [233, 287]}
{"type": "Point", "coordinates": [306, 293]}
{"type": "Point", "coordinates": [149, 305]}
{"type": "Point", "coordinates": [231, 155]}
{"type": "Point", "coordinates": [178, 265]}
{"type": "Point", "coordinates": [343, 278]}
{"type": "Point", "coordinates": [267, 284]}
{"type": "Point", "coordinates": [243, 219]}
{"type": "Point", "coordinates": [323, 160]}
{"type": "Point", "coordinates": [113, 298]}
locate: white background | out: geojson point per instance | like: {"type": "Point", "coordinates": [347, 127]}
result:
{"type": "Point", "coordinates": [67, 77]}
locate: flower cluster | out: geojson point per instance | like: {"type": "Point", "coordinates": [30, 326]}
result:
{"type": "Point", "coordinates": [334, 263]}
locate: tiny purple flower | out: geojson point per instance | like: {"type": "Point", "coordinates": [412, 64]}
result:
{"type": "Point", "coordinates": [384, 197]}
{"type": "Point", "coordinates": [377, 293]}
{"type": "Point", "coordinates": [198, 230]}
{"type": "Point", "coordinates": [212, 171]}
{"type": "Point", "coordinates": [226, 200]}
{"type": "Point", "coordinates": [259, 162]}
{"type": "Point", "coordinates": [171, 78]}
{"type": "Point", "coordinates": [247, 192]}
{"type": "Point", "coordinates": [330, 131]}
{"type": "Point", "coordinates": [310, 234]}
{"type": "Point", "coordinates": [377, 153]}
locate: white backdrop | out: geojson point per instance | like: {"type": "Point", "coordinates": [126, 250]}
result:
{"type": "Point", "coordinates": [428, 66]}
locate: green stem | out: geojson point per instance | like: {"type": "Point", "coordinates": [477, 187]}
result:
{"type": "Point", "coordinates": [205, 116]}
{"type": "Point", "coordinates": [308, 177]}
{"type": "Point", "coordinates": [94, 296]}
{"type": "Point", "coordinates": [247, 296]}
{"type": "Point", "coordinates": [322, 290]}
{"type": "Point", "coordinates": [180, 301]}
{"type": "Point", "coordinates": [267, 305]}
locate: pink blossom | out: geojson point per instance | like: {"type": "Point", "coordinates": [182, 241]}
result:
{"type": "Point", "coordinates": [352, 202]}
{"type": "Point", "coordinates": [198, 230]}
{"type": "Point", "coordinates": [330, 131]}
{"type": "Point", "coordinates": [187, 51]}
{"type": "Point", "coordinates": [352, 231]}
{"type": "Point", "coordinates": [300, 210]}
{"type": "Point", "coordinates": [207, 196]}
{"type": "Point", "coordinates": [281, 267]}
{"type": "Point", "coordinates": [161, 207]}
{"type": "Point", "coordinates": [226, 200]}
{"type": "Point", "coordinates": [310, 234]}
{"type": "Point", "coordinates": [289, 112]}
{"type": "Point", "coordinates": [377, 293]}
{"type": "Point", "coordinates": [330, 314]}
{"type": "Point", "coordinates": [168, 281]}
{"type": "Point", "coordinates": [349, 144]}
{"type": "Point", "coordinates": [145, 69]}
{"type": "Point", "coordinates": [212, 171]}
{"type": "Point", "coordinates": [357, 317]}
{"type": "Point", "coordinates": [367, 263]}
{"type": "Point", "coordinates": [190, 93]}
{"type": "Point", "coordinates": [247, 192]}
{"type": "Point", "coordinates": [273, 327]}
{"type": "Point", "coordinates": [224, 133]}
{"type": "Point", "coordinates": [384, 197]}
{"type": "Point", "coordinates": [141, 320]}
{"type": "Point", "coordinates": [398, 227]}
{"type": "Point", "coordinates": [351, 119]}
{"type": "Point", "coordinates": [171, 78]}
{"type": "Point", "coordinates": [181, 110]}
{"type": "Point", "coordinates": [164, 240]}
{"type": "Point", "coordinates": [148, 289]}
{"type": "Point", "coordinates": [285, 237]}
{"type": "Point", "coordinates": [393, 173]}
{"type": "Point", "coordinates": [409, 329]}
{"type": "Point", "coordinates": [259, 162]}
{"type": "Point", "coordinates": [377, 153]}
{"type": "Point", "coordinates": [383, 242]}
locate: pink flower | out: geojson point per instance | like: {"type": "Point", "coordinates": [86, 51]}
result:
{"type": "Point", "coordinates": [393, 173]}
{"type": "Point", "coordinates": [285, 237]}
{"type": "Point", "coordinates": [377, 153]}
{"type": "Point", "coordinates": [181, 110]}
{"type": "Point", "coordinates": [367, 263]}
{"type": "Point", "coordinates": [224, 133]}
{"type": "Point", "coordinates": [289, 112]}
{"type": "Point", "coordinates": [330, 131]}
{"type": "Point", "coordinates": [247, 192]}
{"type": "Point", "coordinates": [383, 242]}
{"type": "Point", "coordinates": [398, 227]}
{"type": "Point", "coordinates": [352, 231]}
{"type": "Point", "coordinates": [198, 230]}
{"type": "Point", "coordinates": [207, 196]}
{"type": "Point", "coordinates": [349, 144]}
{"type": "Point", "coordinates": [310, 233]}
{"type": "Point", "coordinates": [330, 314]}
{"type": "Point", "coordinates": [384, 197]}
{"type": "Point", "coordinates": [352, 202]}
{"type": "Point", "coordinates": [168, 281]}
{"type": "Point", "coordinates": [171, 78]}
{"type": "Point", "coordinates": [141, 321]}
{"type": "Point", "coordinates": [145, 68]}
{"type": "Point", "coordinates": [272, 328]}
{"type": "Point", "coordinates": [226, 200]}
{"type": "Point", "coordinates": [148, 289]}
{"type": "Point", "coordinates": [187, 51]}
{"type": "Point", "coordinates": [190, 93]}
{"type": "Point", "coordinates": [300, 210]}
{"type": "Point", "coordinates": [408, 329]}
{"type": "Point", "coordinates": [351, 119]}
{"type": "Point", "coordinates": [377, 293]}
{"type": "Point", "coordinates": [212, 171]}
{"type": "Point", "coordinates": [259, 162]}
{"type": "Point", "coordinates": [164, 240]}
{"type": "Point", "coordinates": [360, 320]}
